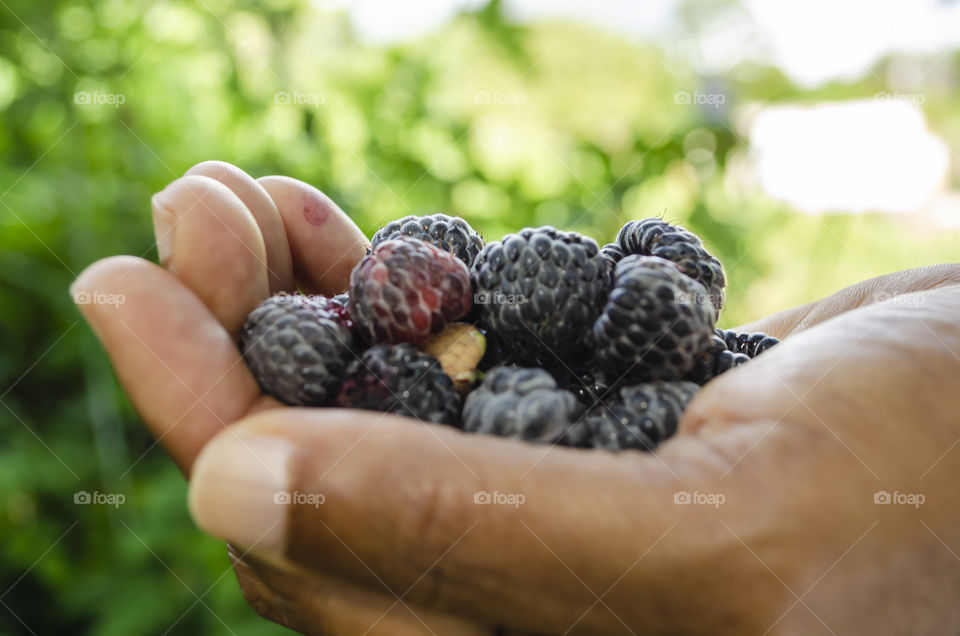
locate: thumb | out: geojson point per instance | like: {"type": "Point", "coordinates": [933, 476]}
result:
{"type": "Point", "coordinates": [462, 523]}
{"type": "Point", "coordinates": [868, 292]}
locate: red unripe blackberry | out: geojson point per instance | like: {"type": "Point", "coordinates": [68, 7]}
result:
{"type": "Point", "coordinates": [405, 290]}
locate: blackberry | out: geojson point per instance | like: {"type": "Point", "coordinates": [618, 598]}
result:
{"type": "Point", "coordinates": [297, 349]}
{"type": "Point", "coordinates": [341, 300]}
{"type": "Point", "coordinates": [656, 323]}
{"type": "Point", "coordinates": [759, 342]}
{"type": "Point", "coordinates": [714, 361]}
{"type": "Point", "coordinates": [405, 290]}
{"type": "Point", "coordinates": [498, 354]}
{"type": "Point", "coordinates": [612, 252]}
{"type": "Point", "coordinates": [339, 306]}
{"type": "Point", "coordinates": [540, 290]}
{"type": "Point", "coordinates": [726, 360]}
{"type": "Point", "coordinates": [730, 338]}
{"type": "Point", "coordinates": [524, 404]}
{"type": "Point", "coordinates": [749, 344]}
{"type": "Point", "coordinates": [588, 384]}
{"type": "Point", "coordinates": [656, 237]}
{"type": "Point", "coordinates": [640, 416]}
{"type": "Point", "coordinates": [495, 355]}
{"type": "Point", "coordinates": [449, 233]}
{"type": "Point", "coordinates": [402, 380]}
{"type": "Point", "coordinates": [643, 236]}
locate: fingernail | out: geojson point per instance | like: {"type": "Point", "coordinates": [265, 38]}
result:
{"type": "Point", "coordinates": [237, 490]}
{"type": "Point", "coordinates": [162, 227]}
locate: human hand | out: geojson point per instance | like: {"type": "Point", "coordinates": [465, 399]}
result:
{"type": "Point", "coordinates": [797, 442]}
{"type": "Point", "coordinates": [223, 243]}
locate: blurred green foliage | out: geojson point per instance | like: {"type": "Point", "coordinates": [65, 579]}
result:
{"type": "Point", "coordinates": [505, 125]}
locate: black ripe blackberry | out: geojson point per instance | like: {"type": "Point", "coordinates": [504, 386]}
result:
{"type": "Point", "coordinates": [656, 323]}
{"type": "Point", "coordinates": [524, 404]}
{"type": "Point", "coordinates": [297, 349]}
{"type": "Point", "coordinates": [656, 237]}
{"type": "Point", "coordinates": [749, 344]}
{"type": "Point", "coordinates": [643, 236]}
{"type": "Point", "coordinates": [726, 360]}
{"type": "Point", "coordinates": [449, 233]}
{"type": "Point", "coordinates": [496, 354]}
{"type": "Point", "coordinates": [613, 253]}
{"type": "Point", "coordinates": [589, 384]}
{"type": "Point", "coordinates": [730, 338]}
{"type": "Point", "coordinates": [714, 361]}
{"type": "Point", "coordinates": [499, 354]}
{"type": "Point", "coordinates": [401, 379]}
{"type": "Point", "coordinates": [640, 416]}
{"type": "Point", "coordinates": [541, 290]}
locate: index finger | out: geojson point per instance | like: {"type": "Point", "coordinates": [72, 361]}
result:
{"type": "Point", "coordinates": [324, 242]}
{"type": "Point", "coordinates": [179, 366]}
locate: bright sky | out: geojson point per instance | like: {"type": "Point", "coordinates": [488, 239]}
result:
{"type": "Point", "coordinates": [854, 156]}
{"type": "Point", "coordinates": [850, 35]}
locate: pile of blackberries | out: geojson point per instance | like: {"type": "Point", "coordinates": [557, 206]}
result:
{"type": "Point", "coordinates": [542, 336]}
